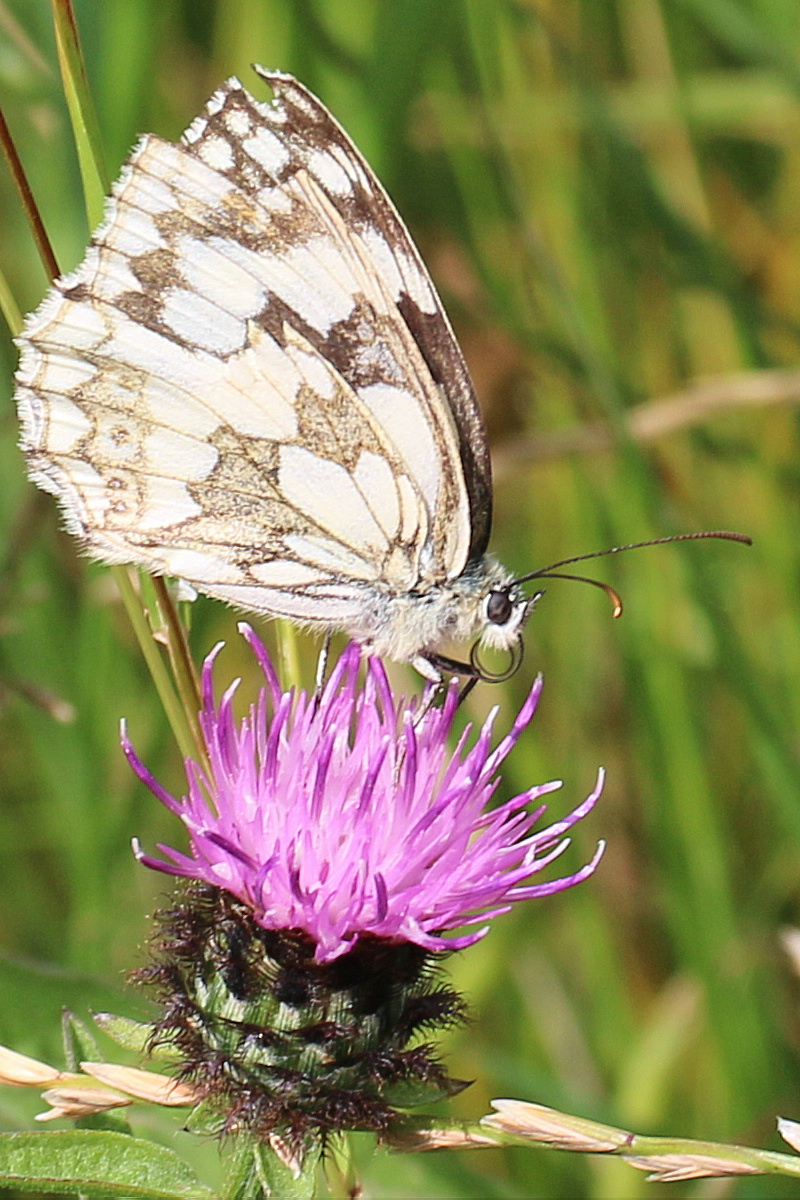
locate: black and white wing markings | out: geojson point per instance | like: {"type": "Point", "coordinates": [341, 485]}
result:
{"type": "Point", "coordinates": [225, 391]}
{"type": "Point", "coordinates": [257, 143]}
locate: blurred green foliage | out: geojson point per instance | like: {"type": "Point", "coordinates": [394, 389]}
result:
{"type": "Point", "coordinates": [607, 193]}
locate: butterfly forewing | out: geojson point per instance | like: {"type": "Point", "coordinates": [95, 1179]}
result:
{"type": "Point", "coordinates": [250, 383]}
{"type": "Point", "coordinates": [313, 138]}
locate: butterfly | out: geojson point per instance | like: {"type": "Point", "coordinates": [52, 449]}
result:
{"type": "Point", "coordinates": [250, 384]}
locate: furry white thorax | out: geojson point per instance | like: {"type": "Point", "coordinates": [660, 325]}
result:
{"type": "Point", "coordinates": [404, 626]}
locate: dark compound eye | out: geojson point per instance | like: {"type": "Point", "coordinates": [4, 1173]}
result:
{"type": "Point", "coordinates": [499, 607]}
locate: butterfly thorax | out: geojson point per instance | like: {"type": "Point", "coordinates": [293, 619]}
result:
{"type": "Point", "coordinates": [406, 625]}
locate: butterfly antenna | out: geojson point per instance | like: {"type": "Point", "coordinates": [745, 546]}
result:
{"type": "Point", "coordinates": [726, 534]}
{"type": "Point", "coordinates": [552, 572]}
{"type": "Point", "coordinates": [612, 593]}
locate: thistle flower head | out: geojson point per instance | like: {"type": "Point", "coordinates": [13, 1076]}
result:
{"type": "Point", "coordinates": [335, 846]}
{"type": "Point", "coordinates": [346, 814]}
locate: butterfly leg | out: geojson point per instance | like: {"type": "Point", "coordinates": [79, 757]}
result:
{"type": "Point", "coordinates": [434, 666]}
{"type": "Point", "coordinates": [428, 667]}
{"type": "Point", "coordinates": [322, 668]}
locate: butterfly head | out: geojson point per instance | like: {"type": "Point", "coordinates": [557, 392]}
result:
{"type": "Point", "coordinates": [505, 611]}
{"type": "Point", "coordinates": [488, 602]}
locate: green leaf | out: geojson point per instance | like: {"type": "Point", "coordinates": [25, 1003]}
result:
{"type": "Point", "coordinates": [256, 1171]}
{"type": "Point", "coordinates": [95, 1164]}
{"type": "Point", "coordinates": [412, 1093]}
{"type": "Point", "coordinates": [133, 1035]}
{"type": "Point", "coordinates": [79, 1045]}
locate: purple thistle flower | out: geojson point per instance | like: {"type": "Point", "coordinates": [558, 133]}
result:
{"type": "Point", "coordinates": [346, 815]}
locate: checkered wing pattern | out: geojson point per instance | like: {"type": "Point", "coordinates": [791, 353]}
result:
{"type": "Point", "coordinates": [250, 383]}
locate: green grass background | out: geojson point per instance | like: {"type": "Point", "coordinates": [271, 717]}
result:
{"type": "Point", "coordinates": [607, 193]}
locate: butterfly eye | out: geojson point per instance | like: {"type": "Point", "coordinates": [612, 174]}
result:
{"type": "Point", "coordinates": [499, 607]}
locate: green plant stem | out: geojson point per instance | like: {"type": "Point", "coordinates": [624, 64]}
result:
{"type": "Point", "coordinates": [174, 709]}
{"type": "Point", "coordinates": [81, 111]}
{"type": "Point", "coordinates": [184, 671]}
{"type": "Point", "coordinates": [288, 657]}
{"type": "Point", "coordinates": [9, 307]}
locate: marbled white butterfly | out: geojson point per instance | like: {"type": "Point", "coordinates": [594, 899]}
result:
{"type": "Point", "coordinates": [250, 384]}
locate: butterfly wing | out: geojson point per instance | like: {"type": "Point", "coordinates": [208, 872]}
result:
{"type": "Point", "coordinates": [317, 138]}
{"type": "Point", "coordinates": [249, 382]}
